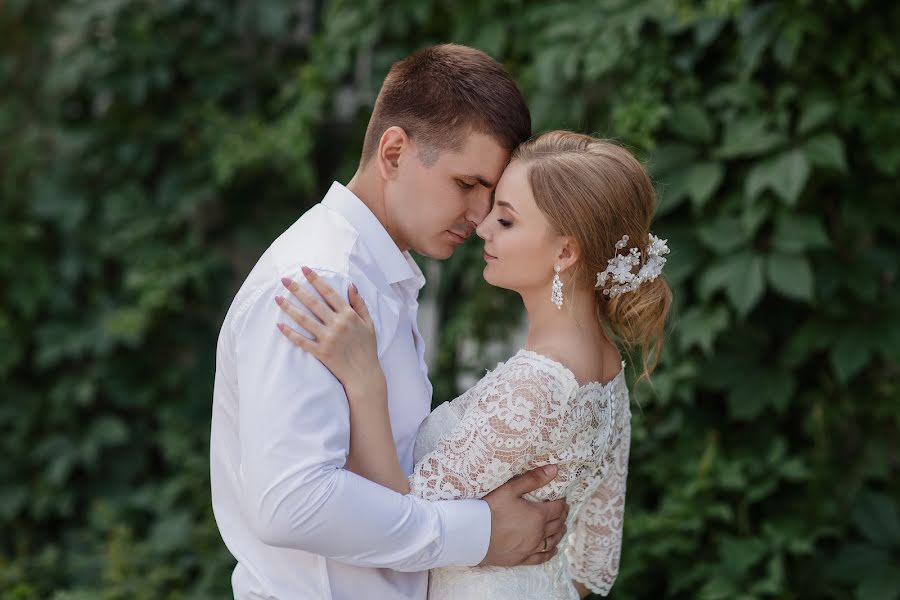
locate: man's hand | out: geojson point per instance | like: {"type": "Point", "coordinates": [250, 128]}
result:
{"type": "Point", "coordinates": [519, 527]}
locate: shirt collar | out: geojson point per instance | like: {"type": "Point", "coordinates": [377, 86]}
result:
{"type": "Point", "coordinates": [395, 265]}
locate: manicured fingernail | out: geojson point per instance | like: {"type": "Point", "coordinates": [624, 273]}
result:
{"type": "Point", "coordinates": [549, 470]}
{"type": "Point", "coordinates": [307, 271]}
{"type": "Point", "coordinates": [287, 281]}
{"type": "Point", "coordinates": [353, 287]}
{"type": "Point", "coordinates": [279, 300]}
{"type": "Point", "coordinates": [280, 327]}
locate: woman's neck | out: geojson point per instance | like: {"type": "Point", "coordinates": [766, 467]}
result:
{"type": "Point", "coordinates": [548, 325]}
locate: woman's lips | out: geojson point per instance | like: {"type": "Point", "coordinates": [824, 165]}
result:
{"type": "Point", "coordinates": [488, 256]}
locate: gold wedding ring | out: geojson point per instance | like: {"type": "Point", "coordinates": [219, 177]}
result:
{"type": "Point", "coordinates": [545, 545]}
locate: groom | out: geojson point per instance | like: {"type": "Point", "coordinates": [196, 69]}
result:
{"type": "Point", "coordinates": [299, 522]}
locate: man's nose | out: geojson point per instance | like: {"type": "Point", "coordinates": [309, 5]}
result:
{"type": "Point", "coordinates": [479, 208]}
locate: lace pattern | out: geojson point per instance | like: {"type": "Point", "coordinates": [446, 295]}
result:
{"type": "Point", "coordinates": [530, 412]}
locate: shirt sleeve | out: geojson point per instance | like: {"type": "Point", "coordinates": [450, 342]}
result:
{"type": "Point", "coordinates": [294, 439]}
{"type": "Point", "coordinates": [595, 540]}
{"type": "Point", "coordinates": [507, 429]}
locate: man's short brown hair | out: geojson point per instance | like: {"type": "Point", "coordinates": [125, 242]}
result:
{"type": "Point", "coordinates": [440, 94]}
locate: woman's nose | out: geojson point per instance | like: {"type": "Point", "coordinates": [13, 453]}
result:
{"type": "Point", "coordinates": [481, 230]}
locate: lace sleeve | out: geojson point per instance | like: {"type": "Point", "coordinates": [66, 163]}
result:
{"type": "Point", "coordinates": [514, 420]}
{"type": "Point", "coordinates": [595, 542]}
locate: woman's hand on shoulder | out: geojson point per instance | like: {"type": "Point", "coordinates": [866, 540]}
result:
{"type": "Point", "coordinates": [343, 334]}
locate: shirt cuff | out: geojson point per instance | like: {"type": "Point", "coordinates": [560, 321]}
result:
{"type": "Point", "coordinates": [467, 531]}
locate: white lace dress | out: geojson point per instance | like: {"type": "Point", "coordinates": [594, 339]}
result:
{"type": "Point", "coordinates": [526, 413]}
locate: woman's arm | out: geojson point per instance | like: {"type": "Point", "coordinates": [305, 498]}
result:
{"type": "Point", "coordinates": [511, 424]}
{"type": "Point", "coordinates": [373, 454]}
{"type": "Point", "coordinates": [582, 590]}
{"type": "Point", "coordinates": [513, 421]}
{"type": "Point", "coordinates": [344, 341]}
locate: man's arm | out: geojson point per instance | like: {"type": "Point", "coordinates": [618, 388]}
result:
{"type": "Point", "coordinates": [294, 435]}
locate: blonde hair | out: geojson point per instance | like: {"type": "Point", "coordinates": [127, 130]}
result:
{"type": "Point", "coordinates": [596, 192]}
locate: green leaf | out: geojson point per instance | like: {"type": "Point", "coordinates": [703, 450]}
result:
{"type": "Point", "coordinates": [670, 163]}
{"type": "Point", "coordinates": [671, 195]}
{"type": "Point", "coordinates": [745, 402]}
{"type": "Point", "coordinates": [856, 561]}
{"type": "Point", "coordinates": [272, 18]}
{"type": "Point", "coordinates": [742, 277]}
{"type": "Point", "coordinates": [785, 51]}
{"type": "Point", "coordinates": [707, 29]}
{"type": "Point", "coordinates": [171, 532]}
{"type": "Point", "coordinates": [796, 233]}
{"type": "Point", "coordinates": [13, 498]}
{"type": "Point", "coordinates": [794, 469]}
{"type": "Point", "coordinates": [109, 431]}
{"type": "Point", "coordinates": [700, 325]}
{"type": "Point", "coordinates": [691, 122]}
{"type": "Point", "coordinates": [758, 388]}
{"type": "Point", "coordinates": [747, 284]}
{"type": "Point", "coordinates": [719, 587]}
{"type": "Point", "coordinates": [889, 341]}
{"type": "Point", "coordinates": [826, 150]}
{"type": "Point", "coordinates": [756, 33]}
{"type": "Point", "coordinates": [785, 174]}
{"type": "Point", "coordinates": [791, 275]}
{"type": "Point", "coordinates": [714, 278]}
{"type": "Point", "coordinates": [598, 59]}
{"type": "Point", "coordinates": [671, 156]}
{"type": "Point", "coordinates": [882, 585]}
{"type": "Point", "coordinates": [748, 136]}
{"type": "Point", "coordinates": [754, 214]}
{"type": "Point", "coordinates": [59, 468]}
{"type": "Point", "coordinates": [724, 235]}
{"type": "Point", "coordinates": [850, 353]}
{"type": "Point", "coordinates": [773, 582]}
{"type": "Point", "coordinates": [740, 554]}
{"type": "Point", "coordinates": [814, 115]}
{"type": "Point", "coordinates": [877, 518]}
{"type": "Point", "coordinates": [701, 180]}
{"type": "Point", "coordinates": [52, 202]}
{"type": "Point", "coordinates": [805, 339]}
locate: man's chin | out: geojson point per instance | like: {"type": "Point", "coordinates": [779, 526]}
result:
{"type": "Point", "coordinates": [437, 251]}
{"type": "Point", "coordinates": [443, 254]}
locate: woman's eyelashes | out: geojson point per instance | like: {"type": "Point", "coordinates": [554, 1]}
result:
{"type": "Point", "coordinates": [504, 223]}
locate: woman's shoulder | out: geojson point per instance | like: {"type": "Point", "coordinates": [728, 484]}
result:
{"type": "Point", "coordinates": [536, 373]}
{"type": "Point", "coordinates": [586, 363]}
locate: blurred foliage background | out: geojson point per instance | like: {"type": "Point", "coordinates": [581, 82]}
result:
{"type": "Point", "coordinates": [150, 150]}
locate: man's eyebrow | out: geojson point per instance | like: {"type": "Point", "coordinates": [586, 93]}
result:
{"type": "Point", "coordinates": [482, 180]}
{"type": "Point", "coordinates": [507, 205]}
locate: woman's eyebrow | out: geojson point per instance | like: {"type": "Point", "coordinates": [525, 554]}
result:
{"type": "Point", "coordinates": [507, 205]}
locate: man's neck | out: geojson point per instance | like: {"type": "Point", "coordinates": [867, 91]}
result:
{"type": "Point", "coordinates": [366, 186]}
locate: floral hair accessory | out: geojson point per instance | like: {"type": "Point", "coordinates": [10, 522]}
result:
{"type": "Point", "coordinates": [620, 266]}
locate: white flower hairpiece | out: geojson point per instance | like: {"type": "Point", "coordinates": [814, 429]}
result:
{"type": "Point", "coordinates": [620, 265]}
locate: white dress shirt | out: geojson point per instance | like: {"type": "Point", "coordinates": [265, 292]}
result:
{"type": "Point", "coordinates": [299, 524]}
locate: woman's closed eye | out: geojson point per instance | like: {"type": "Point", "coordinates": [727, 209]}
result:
{"type": "Point", "coordinates": [504, 223]}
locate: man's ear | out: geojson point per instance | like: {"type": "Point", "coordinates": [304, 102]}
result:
{"type": "Point", "coordinates": [393, 142]}
{"type": "Point", "coordinates": [568, 253]}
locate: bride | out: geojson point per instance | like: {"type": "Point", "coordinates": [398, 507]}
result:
{"type": "Point", "coordinates": [568, 231]}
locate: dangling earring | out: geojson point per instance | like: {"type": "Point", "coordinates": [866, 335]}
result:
{"type": "Point", "coordinates": [556, 295]}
